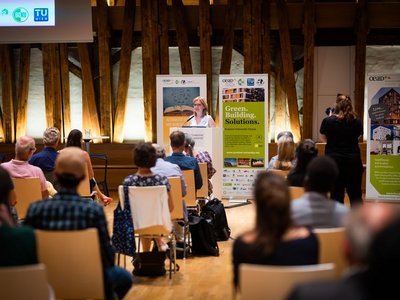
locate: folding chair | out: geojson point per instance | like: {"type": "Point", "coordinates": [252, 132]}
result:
{"type": "Point", "coordinates": [202, 193]}
{"type": "Point", "coordinates": [296, 192]}
{"type": "Point", "coordinates": [179, 214]}
{"type": "Point", "coordinates": [24, 282]}
{"type": "Point", "coordinates": [27, 190]}
{"type": "Point", "coordinates": [104, 160]}
{"type": "Point", "coordinates": [330, 250]}
{"type": "Point", "coordinates": [258, 282]}
{"type": "Point", "coordinates": [151, 216]}
{"type": "Point", "coordinates": [73, 262]}
{"type": "Point", "coordinates": [190, 198]}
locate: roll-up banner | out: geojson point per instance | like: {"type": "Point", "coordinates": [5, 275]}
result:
{"type": "Point", "coordinates": [383, 146]}
{"type": "Point", "coordinates": [175, 96]}
{"type": "Point", "coordinates": [243, 115]}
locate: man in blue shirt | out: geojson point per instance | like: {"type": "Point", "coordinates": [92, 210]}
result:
{"type": "Point", "coordinates": [177, 140]}
{"type": "Point", "coordinates": [47, 157]}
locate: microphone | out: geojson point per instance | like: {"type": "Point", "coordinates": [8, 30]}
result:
{"type": "Point", "coordinates": [191, 117]}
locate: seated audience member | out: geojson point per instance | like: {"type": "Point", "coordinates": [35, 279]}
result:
{"type": "Point", "coordinates": [285, 159]}
{"type": "Point", "coordinates": [274, 241]}
{"type": "Point", "coordinates": [177, 140]}
{"type": "Point", "coordinates": [363, 226]}
{"type": "Point", "coordinates": [201, 157]}
{"type": "Point", "coordinates": [314, 208]}
{"type": "Point", "coordinates": [18, 244]}
{"type": "Point", "coordinates": [167, 169]}
{"type": "Point", "coordinates": [20, 168]}
{"type": "Point", "coordinates": [384, 264]}
{"type": "Point", "coordinates": [275, 157]}
{"type": "Point", "coordinates": [144, 157]}
{"type": "Point", "coordinates": [46, 158]}
{"type": "Point", "coordinates": [68, 211]}
{"type": "Point", "coordinates": [75, 140]}
{"type": "Point", "coordinates": [305, 152]}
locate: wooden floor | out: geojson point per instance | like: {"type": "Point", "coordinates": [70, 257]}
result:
{"type": "Point", "coordinates": [199, 277]}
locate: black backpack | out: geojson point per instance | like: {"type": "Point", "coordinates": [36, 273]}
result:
{"type": "Point", "coordinates": [203, 237]}
{"type": "Point", "coordinates": [214, 212]}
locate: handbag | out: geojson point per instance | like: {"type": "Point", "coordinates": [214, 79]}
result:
{"type": "Point", "coordinates": [123, 231]}
{"type": "Point", "coordinates": [149, 264]}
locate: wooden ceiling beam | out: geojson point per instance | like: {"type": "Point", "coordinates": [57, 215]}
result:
{"type": "Point", "coordinates": [382, 14]}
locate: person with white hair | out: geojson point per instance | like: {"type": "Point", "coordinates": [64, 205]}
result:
{"type": "Point", "coordinates": [20, 168]}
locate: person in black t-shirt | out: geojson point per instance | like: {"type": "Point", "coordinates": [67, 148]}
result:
{"type": "Point", "coordinates": [341, 131]}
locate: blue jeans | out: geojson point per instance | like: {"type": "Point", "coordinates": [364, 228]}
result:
{"type": "Point", "coordinates": [119, 280]}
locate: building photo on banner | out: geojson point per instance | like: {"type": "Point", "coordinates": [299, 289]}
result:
{"type": "Point", "coordinates": [383, 147]}
{"type": "Point", "coordinates": [243, 115]}
{"type": "Point", "coordinates": [175, 96]}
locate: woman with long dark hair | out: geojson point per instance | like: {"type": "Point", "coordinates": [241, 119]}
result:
{"type": "Point", "coordinates": [274, 241]}
{"type": "Point", "coordinates": [75, 140]}
{"type": "Point", "coordinates": [341, 132]}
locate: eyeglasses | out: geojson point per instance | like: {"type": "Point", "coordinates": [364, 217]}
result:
{"type": "Point", "coordinates": [33, 149]}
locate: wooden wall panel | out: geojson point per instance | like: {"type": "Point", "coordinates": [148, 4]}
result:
{"type": "Point", "coordinates": [361, 32]}
{"type": "Point", "coordinates": [23, 89]}
{"type": "Point", "coordinates": [52, 85]}
{"type": "Point", "coordinates": [266, 53]}
{"type": "Point", "coordinates": [48, 77]}
{"type": "Point", "coordinates": [124, 70]}
{"type": "Point", "coordinates": [7, 75]}
{"type": "Point", "coordinates": [150, 59]}
{"type": "Point", "coordinates": [103, 36]}
{"type": "Point", "coordinates": [308, 92]}
{"type": "Point", "coordinates": [89, 109]}
{"type": "Point", "coordinates": [182, 36]}
{"type": "Point", "coordinates": [247, 40]}
{"type": "Point", "coordinates": [290, 84]}
{"type": "Point", "coordinates": [164, 39]}
{"type": "Point", "coordinates": [205, 31]}
{"type": "Point", "coordinates": [65, 90]}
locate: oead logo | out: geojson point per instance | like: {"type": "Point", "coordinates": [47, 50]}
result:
{"type": "Point", "coordinates": [41, 14]}
{"type": "Point", "coordinates": [376, 78]}
{"type": "Point", "coordinates": [228, 82]}
{"type": "Point", "coordinates": [250, 81]}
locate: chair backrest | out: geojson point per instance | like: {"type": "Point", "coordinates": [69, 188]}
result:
{"type": "Point", "coordinates": [24, 282]}
{"type": "Point", "coordinates": [73, 262]}
{"type": "Point", "coordinates": [27, 190]}
{"type": "Point", "coordinates": [84, 186]}
{"type": "Point", "coordinates": [279, 172]}
{"type": "Point", "coordinates": [176, 195]}
{"type": "Point", "coordinates": [296, 192]}
{"type": "Point", "coordinates": [330, 247]}
{"type": "Point", "coordinates": [150, 210]}
{"type": "Point", "coordinates": [203, 191]}
{"type": "Point", "coordinates": [190, 197]}
{"type": "Point", "coordinates": [275, 282]}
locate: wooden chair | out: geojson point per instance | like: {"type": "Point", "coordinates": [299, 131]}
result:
{"type": "Point", "coordinates": [330, 247]}
{"type": "Point", "coordinates": [190, 198]}
{"type": "Point", "coordinates": [73, 262]}
{"type": "Point", "coordinates": [203, 191]}
{"type": "Point", "coordinates": [178, 213]}
{"type": "Point", "coordinates": [150, 214]}
{"type": "Point", "coordinates": [296, 192]}
{"type": "Point", "coordinates": [275, 282]}
{"type": "Point", "coordinates": [24, 282]}
{"type": "Point", "coordinates": [27, 190]}
{"type": "Point", "coordinates": [279, 172]}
